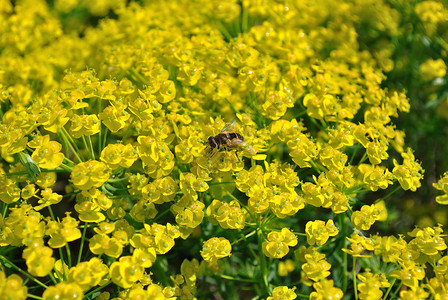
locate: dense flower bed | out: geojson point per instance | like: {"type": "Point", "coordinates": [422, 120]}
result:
{"type": "Point", "coordinates": [108, 190]}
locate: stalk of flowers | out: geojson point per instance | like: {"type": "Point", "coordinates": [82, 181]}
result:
{"type": "Point", "coordinates": [107, 191]}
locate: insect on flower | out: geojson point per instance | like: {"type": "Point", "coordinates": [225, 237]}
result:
{"type": "Point", "coordinates": [228, 139]}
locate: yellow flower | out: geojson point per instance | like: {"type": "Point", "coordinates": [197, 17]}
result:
{"type": "Point", "coordinates": [375, 176]}
{"type": "Point", "coordinates": [46, 179]}
{"type": "Point", "coordinates": [47, 154]}
{"type": "Point", "coordinates": [189, 74]}
{"type": "Point", "coordinates": [157, 158]}
{"type": "Point", "coordinates": [10, 192]}
{"type": "Point", "coordinates": [144, 256]}
{"type": "Point", "coordinates": [389, 247]}
{"type": "Point", "coordinates": [48, 198]}
{"type": "Point", "coordinates": [316, 267]}
{"type": "Point", "coordinates": [325, 289]}
{"type": "Point", "coordinates": [317, 232]}
{"type": "Point", "coordinates": [12, 287]}
{"type": "Point", "coordinates": [38, 258]}
{"type": "Point", "coordinates": [114, 116]}
{"type": "Point", "coordinates": [63, 290]}
{"type": "Point", "coordinates": [228, 215]}
{"type": "Point", "coordinates": [369, 287]}
{"type": "Point", "coordinates": [63, 232]}
{"type": "Point", "coordinates": [125, 272]}
{"type": "Point", "coordinates": [285, 267]}
{"type": "Point", "coordinates": [118, 155]}
{"type": "Point", "coordinates": [365, 217]}
{"type": "Point", "coordinates": [215, 248]}
{"type": "Point", "coordinates": [28, 191]}
{"type": "Point", "coordinates": [278, 243]}
{"type": "Point", "coordinates": [410, 273]}
{"type": "Point", "coordinates": [431, 11]}
{"type": "Point", "coordinates": [282, 293]}
{"type": "Point", "coordinates": [89, 174]}
{"type": "Point", "coordinates": [142, 107]}
{"type": "Point", "coordinates": [410, 173]}
{"type": "Point", "coordinates": [84, 125]}
{"type": "Point", "coordinates": [101, 243]}
{"type": "Point", "coordinates": [88, 274]}
{"type": "Point", "coordinates": [377, 152]}
{"type": "Point", "coordinates": [428, 241]}
{"type": "Point", "coordinates": [359, 244]}
{"type": "Point", "coordinates": [89, 212]}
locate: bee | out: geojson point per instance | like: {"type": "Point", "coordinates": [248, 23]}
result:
{"type": "Point", "coordinates": [228, 139]}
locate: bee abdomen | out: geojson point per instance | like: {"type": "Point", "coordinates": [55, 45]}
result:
{"type": "Point", "coordinates": [235, 135]}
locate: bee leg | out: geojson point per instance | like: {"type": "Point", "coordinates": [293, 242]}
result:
{"type": "Point", "coordinates": [236, 153]}
{"type": "Point", "coordinates": [213, 152]}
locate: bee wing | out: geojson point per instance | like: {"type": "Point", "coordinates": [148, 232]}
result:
{"type": "Point", "coordinates": [230, 126]}
{"type": "Point", "coordinates": [246, 147]}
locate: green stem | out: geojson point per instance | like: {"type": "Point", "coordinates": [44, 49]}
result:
{"type": "Point", "coordinates": [162, 214]}
{"type": "Point", "coordinates": [99, 133]}
{"type": "Point", "coordinates": [231, 106]}
{"type": "Point", "coordinates": [53, 278]}
{"type": "Point", "coordinates": [64, 143]}
{"type": "Point", "coordinates": [224, 31]}
{"type": "Point", "coordinates": [220, 182]}
{"type": "Point", "coordinates": [390, 194]}
{"type": "Point", "coordinates": [97, 289]}
{"type": "Point", "coordinates": [238, 279]}
{"type": "Point", "coordinates": [33, 296]}
{"type": "Point", "coordinates": [69, 161]}
{"type": "Point", "coordinates": [298, 115]}
{"type": "Point", "coordinates": [389, 289]}
{"type": "Point", "coordinates": [245, 237]}
{"type": "Point", "coordinates": [69, 255]}
{"type": "Point", "coordinates": [129, 128]}
{"type": "Point", "coordinates": [105, 138]}
{"type": "Point", "coordinates": [5, 210]}
{"type": "Point", "coordinates": [51, 213]}
{"type": "Point", "coordinates": [65, 168]}
{"type": "Point", "coordinates": [397, 290]}
{"type": "Point", "coordinates": [317, 168]}
{"type": "Point", "coordinates": [82, 243]}
{"type": "Point", "coordinates": [111, 188]}
{"type": "Point", "coordinates": [138, 76]}
{"type": "Point", "coordinates": [89, 140]}
{"type": "Point", "coordinates": [64, 273]}
{"type": "Point", "coordinates": [354, 154]}
{"type": "Point", "coordinates": [242, 205]}
{"type": "Point", "coordinates": [72, 145]}
{"type": "Point", "coordinates": [244, 19]}
{"type": "Point", "coordinates": [262, 259]}
{"type": "Point", "coordinates": [6, 261]}
{"type": "Point", "coordinates": [116, 180]}
{"type": "Point", "coordinates": [319, 126]}
{"type": "Point", "coordinates": [363, 158]}
{"type": "Point", "coordinates": [343, 226]}
{"type": "Point", "coordinates": [86, 147]}
{"type": "Point", "coordinates": [355, 289]}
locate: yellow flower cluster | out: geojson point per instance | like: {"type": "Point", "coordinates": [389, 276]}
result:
{"type": "Point", "coordinates": [174, 149]}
